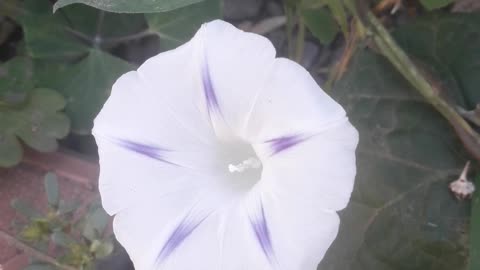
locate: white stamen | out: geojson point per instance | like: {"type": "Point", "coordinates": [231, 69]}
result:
{"type": "Point", "coordinates": [251, 163]}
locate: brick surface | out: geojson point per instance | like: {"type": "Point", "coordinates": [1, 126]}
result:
{"type": "Point", "coordinates": [16, 263]}
{"type": "Point", "coordinates": [77, 178]}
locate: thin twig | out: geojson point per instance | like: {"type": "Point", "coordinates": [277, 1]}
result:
{"type": "Point", "coordinates": [300, 44]}
{"type": "Point", "coordinates": [290, 24]}
{"type": "Point", "coordinates": [341, 66]}
{"type": "Point", "coordinates": [268, 25]}
{"type": "Point", "coordinates": [400, 60]}
{"type": "Point", "coordinates": [33, 252]}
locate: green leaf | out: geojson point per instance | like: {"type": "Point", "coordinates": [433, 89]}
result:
{"type": "Point", "coordinates": [401, 214]}
{"type": "Point", "coordinates": [99, 220]}
{"type": "Point", "coordinates": [62, 239]}
{"type": "Point", "coordinates": [10, 149]}
{"type": "Point", "coordinates": [89, 232]}
{"type": "Point", "coordinates": [474, 262]}
{"type": "Point", "coordinates": [15, 81]}
{"type": "Point", "coordinates": [177, 27]}
{"type": "Point", "coordinates": [87, 85]}
{"type": "Point", "coordinates": [51, 188]}
{"type": "Point", "coordinates": [39, 266]}
{"type": "Point", "coordinates": [128, 6]}
{"type": "Point", "coordinates": [24, 209]}
{"type": "Point", "coordinates": [434, 4]}
{"type": "Point", "coordinates": [74, 31]}
{"type": "Point", "coordinates": [102, 249]}
{"type": "Point", "coordinates": [321, 23]}
{"type": "Point", "coordinates": [448, 43]}
{"type": "Point", "coordinates": [77, 36]}
{"type": "Point", "coordinates": [38, 123]}
{"type": "Point", "coordinates": [339, 13]}
{"type": "Point", "coordinates": [67, 207]}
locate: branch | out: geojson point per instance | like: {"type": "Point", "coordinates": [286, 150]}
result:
{"type": "Point", "coordinates": [33, 252]}
{"type": "Point", "coordinates": [398, 58]}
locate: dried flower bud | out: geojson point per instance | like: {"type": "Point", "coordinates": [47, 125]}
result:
{"type": "Point", "coordinates": [462, 188]}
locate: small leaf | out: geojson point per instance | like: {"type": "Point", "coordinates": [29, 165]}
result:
{"type": "Point", "coordinates": [434, 4]}
{"type": "Point", "coordinates": [99, 220]}
{"type": "Point", "coordinates": [178, 26]}
{"type": "Point", "coordinates": [321, 23]}
{"type": "Point", "coordinates": [67, 207]}
{"type": "Point", "coordinates": [51, 188]}
{"type": "Point", "coordinates": [39, 266]}
{"type": "Point", "coordinates": [129, 6]}
{"type": "Point", "coordinates": [102, 249]}
{"type": "Point", "coordinates": [89, 232]}
{"type": "Point", "coordinates": [25, 209]}
{"type": "Point", "coordinates": [34, 232]}
{"type": "Point", "coordinates": [338, 11]}
{"type": "Point", "coordinates": [62, 239]}
{"type": "Point", "coordinates": [38, 123]}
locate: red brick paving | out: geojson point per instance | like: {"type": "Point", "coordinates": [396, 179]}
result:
{"type": "Point", "coordinates": [76, 179]}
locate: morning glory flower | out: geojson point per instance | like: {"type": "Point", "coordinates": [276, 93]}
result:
{"type": "Point", "coordinates": [218, 155]}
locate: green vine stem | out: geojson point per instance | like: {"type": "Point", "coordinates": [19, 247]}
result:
{"type": "Point", "coordinates": [300, 44]}
{"type": "Point", "coordinates": [398, 58]}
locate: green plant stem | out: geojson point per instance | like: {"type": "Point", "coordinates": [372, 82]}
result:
{"type": "Point", "coordinates": [474, 263]}
{"type": "Point", "coordinates": [400, 60]}
{"type": "Point", "coordinates": [300, 44]}
{"type": "Point", "coordinates": [33, 252]}
{"type": "Point", "coordinates": [290, 23]}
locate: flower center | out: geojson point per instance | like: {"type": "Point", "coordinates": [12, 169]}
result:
{"type": "Point", "coordinates": [240, 164]}
{"type": "Point", "coordinates": [250, 163]}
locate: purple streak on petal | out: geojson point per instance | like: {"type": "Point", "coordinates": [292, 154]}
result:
{"type": "Point", "coordinates": [183, 230]}
{"type": "Point", "coordinates": [145, 150]}
{"type": "Point", "coordinates": [209, 91]}
{"type": "Point", "coordinates": [283, 143]}
{"type": "Point", "coordinates": [262, 233]}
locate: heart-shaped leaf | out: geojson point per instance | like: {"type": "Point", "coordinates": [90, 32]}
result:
{"type": "Point", "coordinates": [51, 188]}
{"type": "Point", "coordinates": [129, 6]}
{"type": "Point", "coordinates": [81, 35]}
{"type": "Point", "coordinates": [87, 85]}
{"type": "Point", "coordinates": [401, 215]}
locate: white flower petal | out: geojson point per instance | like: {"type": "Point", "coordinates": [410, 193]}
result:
{"type": "Point", "coordinates": [318, 172]}
{"type": "Point", "coordinates": [159, 103]}
{"type": "Point", "coordinates": [235, 65]}
{"type": "Point", "coordinates": [164, 160]}
{"type": "Point", "coordinates": [291, 103]}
